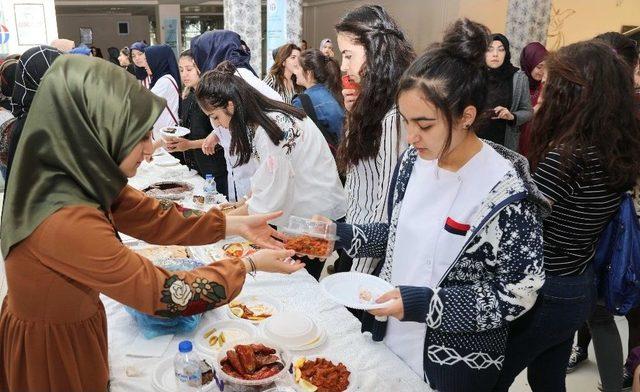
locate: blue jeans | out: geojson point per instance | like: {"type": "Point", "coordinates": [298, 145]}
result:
{"type": "Point", "coordinates": [541, 340]}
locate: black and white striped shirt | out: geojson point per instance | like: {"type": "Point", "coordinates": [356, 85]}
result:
{"type": "Point", "coordinates": [286, 95]}
{"type": "Point", "coordinates": [368, 182]}
{"type": "Point", "coordinates": [582, 206]}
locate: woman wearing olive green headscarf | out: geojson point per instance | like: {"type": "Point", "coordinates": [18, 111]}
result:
{"type": "Point", "coordinates": [88, 129]}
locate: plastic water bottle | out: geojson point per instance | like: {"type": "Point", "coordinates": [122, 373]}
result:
{"type": "Point", "coordinates": [209, 189]}
{"type": "Point", "coordinates": [186, 365]}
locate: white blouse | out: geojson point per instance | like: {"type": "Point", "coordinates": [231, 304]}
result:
{"type": "Point", "coordinates": [298, 176]}
{"type": "Point", "coordinates": [437, 208]}
{"type": "Point", "coordinates": [167, 88]}
{"type": "Point", "coordinates": [239, 178]}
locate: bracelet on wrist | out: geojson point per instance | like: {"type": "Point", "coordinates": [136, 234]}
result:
{"type": "Point", "coordinates": [252, 264]}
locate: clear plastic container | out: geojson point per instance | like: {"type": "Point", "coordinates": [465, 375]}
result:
{"type": "Point", "coordinates": [186, 365]}
{"type": "Point", "coordinates": [310, 237]}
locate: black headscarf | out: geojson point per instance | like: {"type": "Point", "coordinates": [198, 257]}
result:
{"type": "Point", "coordinates": [162, 61]}
{"type": "Point", "coordinates": [506, 70]}
{"type": "Point", "coordinates": [32, 66]}
{"type": "Point", "coordinates": [113, 55]}
{"type": "Point", "coordinates": [141, 73]}
{"type": "Point", "coordinates": [213, 47]}
{"type": "Point", "coordinates": [7, 81]}
{"type": "Point", "coordinates": [499, 93]}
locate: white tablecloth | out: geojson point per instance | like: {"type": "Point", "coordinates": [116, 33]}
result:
{"type": "Point", "coordinates": [378, 368]}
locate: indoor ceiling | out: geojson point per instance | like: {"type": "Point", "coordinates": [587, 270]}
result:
{"type": "Point", "coordinates": [135, 8]}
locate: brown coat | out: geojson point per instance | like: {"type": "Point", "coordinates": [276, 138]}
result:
{"type": "Point", "coordinates": [53, 330]}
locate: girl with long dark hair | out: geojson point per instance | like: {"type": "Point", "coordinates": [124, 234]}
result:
{"type": "Point", "coordinates": [282, 75]}
{"type": "Point", "coordinates": [297, 173]}
{"type": "Point", "coordinates": [508, 102]}
{"type": "Point", "coordinates": [462, 241]}
{"type": "Point", "coordinates": [606, 338]}
{"type": "Point", "coordinates": [584, 154]}
{"type": "Point", "coordinates": [209, 50]}
{"type": "Point", "coordinates": [320, 76]}
{"type": "Point", "coordinates": [375, 53]}
{"type": "Point", "coordinates": [193, 118]}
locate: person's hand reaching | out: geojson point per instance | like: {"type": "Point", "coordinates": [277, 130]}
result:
{"type": "Point", "coordinates": [279, 261]}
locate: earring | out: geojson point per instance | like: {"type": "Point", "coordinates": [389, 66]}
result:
{"type": "Point", "coordinates": [466, 126]}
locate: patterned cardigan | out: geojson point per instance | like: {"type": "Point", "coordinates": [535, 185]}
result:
{"type": "Point", "coordinates": [494, 279]}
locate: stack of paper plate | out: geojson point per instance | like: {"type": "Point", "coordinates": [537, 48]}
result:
{"type": "Point", "coordinates": [294, 331]}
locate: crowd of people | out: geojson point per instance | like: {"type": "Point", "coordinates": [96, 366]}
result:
{"type": "Point", "coordinates": [477, 188]}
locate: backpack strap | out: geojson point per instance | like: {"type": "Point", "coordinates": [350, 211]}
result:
{"type": "Point", "coordinates": [170, 78]}
{"type": "Point", "coordinates": [172, 115]}
{"type": "Point", "coordinates": [307, 105]}
{"type": "Point", "coordinates": [174, 83]}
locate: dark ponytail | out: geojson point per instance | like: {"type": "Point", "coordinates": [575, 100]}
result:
{"type": "Point", "coordinates": [451, 74]}
{"type": "Point", "coordinates": [325, 70]}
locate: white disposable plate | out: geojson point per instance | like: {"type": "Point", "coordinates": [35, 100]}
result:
{"type": "Point", "coordinates": [354, 380]}
{"type": "Point", "coordinates": [271, 305]}
{"type": "Point", "coordinates": [179, 131]}
{"type": "Point", "coordinates": [310, 345]}
{"type": "Point", "coordinates": [344, 288]}
{"type": "Point", "coordinates": [164, 378]}
{"type": "Point", "coordinates": [232, 327]}
{"type": "Point", "coordinates": [165, 160]}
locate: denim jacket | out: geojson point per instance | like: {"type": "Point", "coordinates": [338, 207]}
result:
{"type": "Point", "coordinates": [330, 113]}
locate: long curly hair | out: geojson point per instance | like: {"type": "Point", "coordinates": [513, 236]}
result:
{"type": "Point", "coordinates": [388, 54]}
{"type": "Point", "coordinates": [277, 69]}
{"type": "Point", "coordinates": [588, 102]}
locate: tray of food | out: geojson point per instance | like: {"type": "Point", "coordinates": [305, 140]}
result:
{"type": "Point", "coordinates": [171, 190]}
{"type": "Point", "coordinates": [254, 308]}
{"type": "Point", "coordinates": [309, 237]}
{"type": "Point", "coordinates": [322, 373]}
{"type": "Point", "coordinates": [251, 362]}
